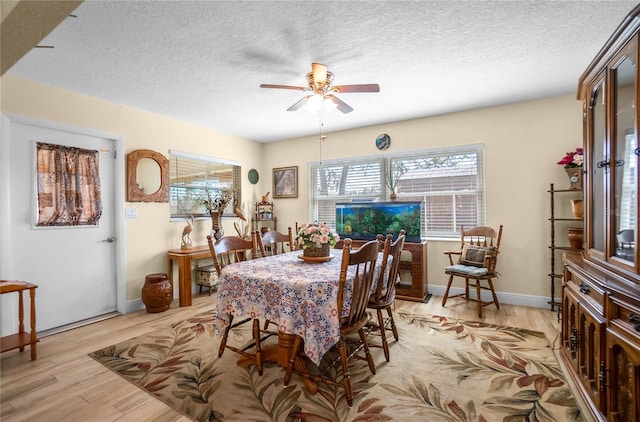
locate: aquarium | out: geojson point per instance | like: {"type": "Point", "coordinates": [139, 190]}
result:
{"type": "Point", "coordinates": [365, 220]}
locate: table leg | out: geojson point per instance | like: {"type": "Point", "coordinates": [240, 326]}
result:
{"type": "Point", "coordinates": [280, 354]}
{"type": "Point", "coordinates": [20, 318]}
{"type": "Point", "coordinates": [34, 339]}
{"type": "Point", "coordinates": [185, 280]}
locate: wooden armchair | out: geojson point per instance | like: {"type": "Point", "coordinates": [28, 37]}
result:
{"type": "Point", "coordinates": [385, 294]}
{"type": "Point", "coordinates": [477, 258]}
{"type": "Point", "coordinates": [362, 262]}
{"type": "Point", "coordinates": [226, 251]}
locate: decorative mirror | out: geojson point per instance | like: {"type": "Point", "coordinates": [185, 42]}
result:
{"type": "Point", "coordinates": [147, 176]}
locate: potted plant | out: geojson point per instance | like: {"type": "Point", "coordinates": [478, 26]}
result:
{"type": "Point", "coordinates": [396, 171]}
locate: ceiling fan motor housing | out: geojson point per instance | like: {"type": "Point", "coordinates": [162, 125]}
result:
{"type": "Point", "coordinates": [319, 87]}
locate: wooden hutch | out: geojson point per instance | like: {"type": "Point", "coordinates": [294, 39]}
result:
{"type": "Point", "coordinates": [601, 285]}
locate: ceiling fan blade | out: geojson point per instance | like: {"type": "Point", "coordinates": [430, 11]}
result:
{"type": "Point", "coordinates": [319, 73]}
{"type": "Point", "coordinates": [299, 103]}
{"type": "Point", "coordinates": [298, 88]}
{"type": "Point", "coordinates": [357, 88]}
{"type": "Point", "coordinates": [340, 105]}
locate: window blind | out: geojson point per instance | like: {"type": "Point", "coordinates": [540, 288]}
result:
{"type": "Point", "coordinates": [189, 177]}
{"type": "Point", "coordinates": [448, 182]}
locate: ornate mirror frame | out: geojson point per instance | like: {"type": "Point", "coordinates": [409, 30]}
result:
{"type": "Point", "coordinates": [134, 193]}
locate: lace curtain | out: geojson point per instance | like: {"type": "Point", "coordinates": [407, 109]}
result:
{"type": "Point", "coordinates": [68, 186]}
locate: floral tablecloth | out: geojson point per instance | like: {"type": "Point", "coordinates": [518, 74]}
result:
{"type": "Point", "coordinates": [299, 296]}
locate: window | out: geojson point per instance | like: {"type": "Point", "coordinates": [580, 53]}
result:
{"type": "Point", "coordinates": [189, 177]}
{"type": "Point", "coordinates": [448, 182]}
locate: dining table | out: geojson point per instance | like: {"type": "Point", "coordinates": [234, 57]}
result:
{"type": "Point", "coordinates": [296, 293]}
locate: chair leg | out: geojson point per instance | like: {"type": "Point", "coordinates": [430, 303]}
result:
{"type": "Point", "coordinates": [394, 329]}
{"type": "Point", "coordinates": [479, 297]}
{"type": "Point", "coordinates": [466, 288]}
{"type": "Point", "coordinates": [292, 359]}
{"type": "Point", "coordinates": [383, 336]}
{"type": "Point", "coordinates": [266, 324]}
{"type": "Point", "coordinates": [256, 337]}
{"type": "Point", "coordinates": [223, 342]}
{"type": "Point", "coordinates": [365, 344]}
{"type": "Point", "coordinates": [493, 292]}
{"type": "Point", "coordinates": [346, 376]}
{"type": "Point", "coordinates": [446, 292]}
{"type": "Point", "coordinates": [210, 288]}
{"type": "Point", "coordinates": [200, 290]}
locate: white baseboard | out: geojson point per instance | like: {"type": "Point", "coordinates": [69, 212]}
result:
{"type": "Point", "coordinates": [506, 298]}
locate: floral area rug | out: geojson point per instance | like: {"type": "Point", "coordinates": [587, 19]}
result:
{"type": "Point", "coordinates": [442, 369]}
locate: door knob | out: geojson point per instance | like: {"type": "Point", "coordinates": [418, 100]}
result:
{"type": "Point", "coordinates": [109, 239]}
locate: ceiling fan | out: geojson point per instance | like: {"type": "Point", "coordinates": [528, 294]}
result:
{"type": "Point", "coordinates": [320, 85]}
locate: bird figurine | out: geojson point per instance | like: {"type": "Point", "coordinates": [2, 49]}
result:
{"type": "Point", "coordinates": [186, 232]}
{"type": "Point", "coordinates": [237, 210]}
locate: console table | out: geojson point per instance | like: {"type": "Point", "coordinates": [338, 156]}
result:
{"type": "Point", "coordinates": [22, 338]}
{"type": "Point", "coordinates": [416, 290]}
{"type": "Point", "coordinates": [184, 258]}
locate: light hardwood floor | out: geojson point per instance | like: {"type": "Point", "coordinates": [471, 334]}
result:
{"type": "Point", "coordinates": [65, 384]}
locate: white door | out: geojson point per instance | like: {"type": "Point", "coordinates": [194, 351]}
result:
{"type": "Point", "coordinates": [74, 267]}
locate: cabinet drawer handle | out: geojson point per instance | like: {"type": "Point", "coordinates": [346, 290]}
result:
{"type": "Point", "coordinates": [584, 288]}
{"type": "Point", "coordinates": [634, 320]}
{"type": "Point", "coordinates": [603, 377]}
{"type": "Point", "coordinates": [573, 339]}
{"type": "Point", "coordinates": [637, 151]}
{"type": "Point", "coordinates": [603, 163]}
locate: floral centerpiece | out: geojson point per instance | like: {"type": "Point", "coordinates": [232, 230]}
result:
{"type": "Point", "coordinates": [572, 163]}
{"type": "Point", "coordinates": [316, 239]}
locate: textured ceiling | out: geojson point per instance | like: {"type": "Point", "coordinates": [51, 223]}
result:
{"type": "Point", "coordinates": [203, 61]}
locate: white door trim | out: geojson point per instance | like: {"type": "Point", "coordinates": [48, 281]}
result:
{"type": "Point", "coordinates": [119, 180]}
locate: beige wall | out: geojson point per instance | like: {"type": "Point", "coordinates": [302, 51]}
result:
{"type": "Point", "coordinates": [151, 234]}
{"type": "Point", "coordinates": [522, 141]}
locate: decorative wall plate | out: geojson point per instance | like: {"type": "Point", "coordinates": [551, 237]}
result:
{"type": "Point", "coordinates": [253, 176]}
{"type": "Point", "coordinates": [383, 141]}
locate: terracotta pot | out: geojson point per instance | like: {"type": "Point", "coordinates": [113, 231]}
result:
{"type": "Point", "coordinates": [575, 235]}
{"type": "Point", "coordinates": [577, 208]}
{"type": "Point", "coordinates": [157, 293]}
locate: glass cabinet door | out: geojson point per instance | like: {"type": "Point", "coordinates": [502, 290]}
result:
{"type": "Point", "coordinates": [598, 168]}
{"type": "Point", "coordinates": [624, 166]}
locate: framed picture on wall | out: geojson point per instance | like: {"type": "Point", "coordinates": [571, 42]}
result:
{"type": "Point", "coordinates": [285, 182]}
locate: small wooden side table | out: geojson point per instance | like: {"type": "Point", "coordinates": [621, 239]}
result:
{"type": "Point", "coordinates": [184, 258]}
{"type": "Point", "coordinates": [22, 338]}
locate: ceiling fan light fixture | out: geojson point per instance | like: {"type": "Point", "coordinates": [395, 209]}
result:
{"type": "Point", "coordinates": [314, 104]}
{"type": "Point", "coordinates": [329, 105]}
{"type": "Point", "coordinates": [321, 91]}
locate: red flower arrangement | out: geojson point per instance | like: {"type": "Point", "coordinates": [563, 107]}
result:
{"type": "Point", "coordinates": [572, 159]}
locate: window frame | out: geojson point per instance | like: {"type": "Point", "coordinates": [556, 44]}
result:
{"type": "Point", "coordinates": [472, 171]}
{"type": "Point", "coordinates": [194, 192]}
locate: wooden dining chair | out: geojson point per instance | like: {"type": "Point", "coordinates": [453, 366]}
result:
{"type": "Point", "coordinates": [385, 293]}
{"type": "Point", "coordinates": [274, 243]}
{"type": "Point", "coordinates": [477, 259]}
{"type": "Point", "coordinates": [228, 250]}
{"type": "Point", "coordinates": [361, 262]}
